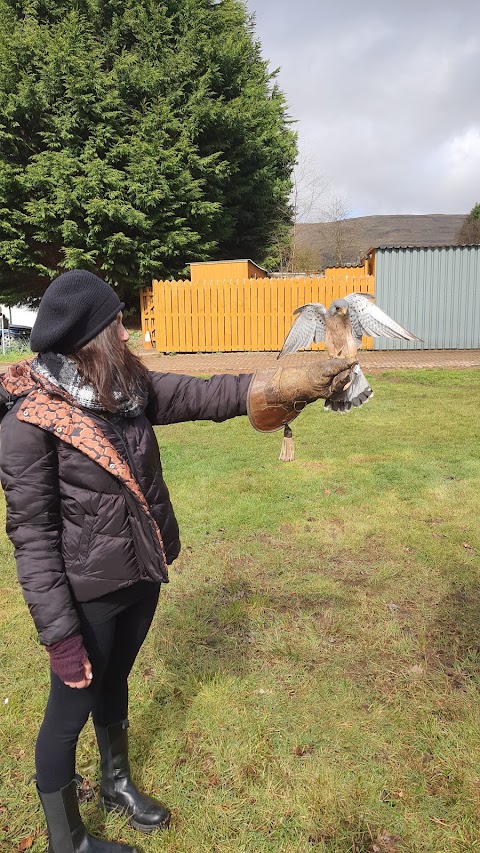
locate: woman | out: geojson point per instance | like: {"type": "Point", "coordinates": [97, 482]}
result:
{"type": "Point", "coordinates": [92, 523]}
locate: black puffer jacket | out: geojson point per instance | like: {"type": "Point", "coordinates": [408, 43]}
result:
{"type": "Point", "coordinates": [85, 521]}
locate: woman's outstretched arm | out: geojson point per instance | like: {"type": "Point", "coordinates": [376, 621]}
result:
{"type": "Point", "coordinates": [174, 398]}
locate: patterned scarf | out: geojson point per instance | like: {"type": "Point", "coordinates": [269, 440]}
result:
{"type": "Point", "coordinates": [62, 372]}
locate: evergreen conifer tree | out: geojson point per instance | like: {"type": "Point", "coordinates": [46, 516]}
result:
{"type": "Point", "coordinates": [469, 233]}
{"type": "Point", "coordinates": [136, 136]}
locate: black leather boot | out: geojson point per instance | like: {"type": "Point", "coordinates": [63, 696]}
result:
{"type": "Point", "coordinates": [66, 831]}
{"type": "Point", "coordinates": [117, 791]}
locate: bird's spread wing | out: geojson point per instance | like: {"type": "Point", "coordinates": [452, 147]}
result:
{"type": "Point", "coordinates": [368, 319]}
{"type": "Point", "coordinates": [309, 326]}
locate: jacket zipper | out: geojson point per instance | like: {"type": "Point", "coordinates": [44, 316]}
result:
{"type": "Point", "coordinates": [130, 462]}
{"type": "Point", "coordinates": [129, 458]}
{"type": "Point", "coordinates": [117, 432]}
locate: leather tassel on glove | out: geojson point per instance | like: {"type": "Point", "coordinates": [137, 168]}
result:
{"type": "Point", "coordinates": [287, 451]}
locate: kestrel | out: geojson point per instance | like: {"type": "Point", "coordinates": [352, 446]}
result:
{"type": "Point", "coordinates": [342, 328]}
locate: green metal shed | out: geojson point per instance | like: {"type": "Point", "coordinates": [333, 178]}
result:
{"type": "Point", "coordinates": [434, 291]}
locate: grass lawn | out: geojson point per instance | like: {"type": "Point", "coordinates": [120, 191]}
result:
{"type": "Point", "coordinates": [311, 682]}
{"type": "Point", "coordinates": [14, 354]}
{"type": "Point", "coordinates": [19, 352]}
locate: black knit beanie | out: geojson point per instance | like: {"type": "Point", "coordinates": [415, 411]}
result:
{"type": "Point", "coordinates": [75, 307]}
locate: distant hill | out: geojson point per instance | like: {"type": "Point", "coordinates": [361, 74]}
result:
{"type": "Point", "coordinates": [318, 244]}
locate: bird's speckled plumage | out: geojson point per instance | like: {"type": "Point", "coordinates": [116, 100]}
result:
{"type": "Point", "coordinates": [342, 327]}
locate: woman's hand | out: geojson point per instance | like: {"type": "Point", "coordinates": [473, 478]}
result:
{"type": "Point", "coordinates": [69, 660]}
{"type": "Point", "coordinates": [87, 679]}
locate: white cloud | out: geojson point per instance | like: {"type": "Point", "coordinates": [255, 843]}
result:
{"type": "Point", "coordinates": [458, 163]}
{"type": "Point", "coordinates": [462, 154]}
{"type": "Point", "coordinates": [385, 96]}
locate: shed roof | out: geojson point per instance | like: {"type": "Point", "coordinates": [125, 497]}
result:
{"type": "Point", "coordinates": [231, 261]}
{"type": "Point", "coordinates": [343, 266]}
{"type": "Point", "coordinates": [420, 246]}
{"type": "Point", "coordinates": [423, 246]}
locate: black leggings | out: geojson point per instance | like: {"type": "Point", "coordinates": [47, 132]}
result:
{"type": "Point", "coordinates": [112, 639]}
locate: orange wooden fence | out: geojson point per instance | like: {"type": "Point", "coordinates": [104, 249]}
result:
{"type": "Point", "coordinates": [246, 315]}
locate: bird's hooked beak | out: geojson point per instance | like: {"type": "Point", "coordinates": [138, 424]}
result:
{"type": "Point", "coordinates": [342, 310]}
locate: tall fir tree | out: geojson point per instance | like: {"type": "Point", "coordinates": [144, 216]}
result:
{"type": "Point", "coordinates": [136, 136]}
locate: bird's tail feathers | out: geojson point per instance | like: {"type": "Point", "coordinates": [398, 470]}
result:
{"type": "Point", "coordinates": [357, 393]}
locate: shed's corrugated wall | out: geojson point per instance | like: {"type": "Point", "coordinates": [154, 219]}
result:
{"type": "Point", "coordinates": [433, 292]}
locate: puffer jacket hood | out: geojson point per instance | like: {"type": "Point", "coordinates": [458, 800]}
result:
{"type": "Point", "coordinates": [88, 509]}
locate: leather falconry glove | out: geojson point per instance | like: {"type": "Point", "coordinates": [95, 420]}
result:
{"type": "Point", "coordinates": [277, 395]}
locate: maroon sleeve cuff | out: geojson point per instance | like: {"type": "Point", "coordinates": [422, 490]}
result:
{"type": "Point", "coordinates": [67, 658]}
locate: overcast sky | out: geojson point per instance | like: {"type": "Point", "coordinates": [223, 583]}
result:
{"type": "Point", "coordinates": [386, 94]}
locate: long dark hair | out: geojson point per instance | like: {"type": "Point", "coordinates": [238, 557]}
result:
{"type": "Point", "coordinates": [110, 366]}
